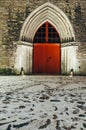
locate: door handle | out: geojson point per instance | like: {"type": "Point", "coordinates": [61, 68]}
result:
{"type": "Point", "coordinates": [49, 58]}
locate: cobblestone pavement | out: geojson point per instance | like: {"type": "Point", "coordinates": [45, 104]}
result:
{"type": "Point", "coordinates": [42, 103]}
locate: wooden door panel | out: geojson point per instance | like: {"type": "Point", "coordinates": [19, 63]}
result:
{"type": "Point", "coordinates": [39, 58]}
{"type": "Point", "coordinates": [53, 58]}
{"type": "Point", "coordinates": [46, 58]}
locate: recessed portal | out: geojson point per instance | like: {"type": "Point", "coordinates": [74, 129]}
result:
{"type": "Point", "coordinates": [44, 30]}
{"type": "Point", "coordinates": [46, 51]}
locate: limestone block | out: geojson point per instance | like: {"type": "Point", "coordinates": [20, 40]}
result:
{"type": "Point", "coordinates": [24, 58]}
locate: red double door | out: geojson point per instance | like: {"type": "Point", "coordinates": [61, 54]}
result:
{"type": "Point", "coordinates": [46, 55]}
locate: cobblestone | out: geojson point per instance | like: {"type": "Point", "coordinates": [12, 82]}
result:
{"type": "Point", "coordinates": [42, 102]}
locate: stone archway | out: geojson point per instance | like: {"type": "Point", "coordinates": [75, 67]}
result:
{"type": "Point", "coordinates": [52, 14]}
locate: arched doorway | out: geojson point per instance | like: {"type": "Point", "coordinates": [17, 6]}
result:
{"type": "Point", "coordinates": [36, 52]}
{"type": "Point", "coordinates": [46, 50]}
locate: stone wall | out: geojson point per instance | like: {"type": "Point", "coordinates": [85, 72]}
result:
{"type": "Point", "coordinates": [14, 12]}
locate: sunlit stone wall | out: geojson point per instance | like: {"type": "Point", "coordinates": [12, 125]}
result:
{"type": "Point", "coordinates": [69, 59]}
{"type": "Point", "coordinates": [23, 58]}
{"type": "Point", "coordinates": [13, 15]}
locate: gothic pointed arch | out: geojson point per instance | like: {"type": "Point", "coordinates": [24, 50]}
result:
{"type": "Point", "coordinates": [52, 14]}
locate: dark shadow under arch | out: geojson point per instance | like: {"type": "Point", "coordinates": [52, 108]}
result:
{"type": "Point", "coordinates": [46, 34]}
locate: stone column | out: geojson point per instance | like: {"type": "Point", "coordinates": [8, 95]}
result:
{"type": "Point", "coordinates": [69, 58]}
{"type": "Point", "coordinates": [24, 57]}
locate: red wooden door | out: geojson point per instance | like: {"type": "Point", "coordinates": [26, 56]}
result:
{"type": "Point", "coordinates": [46, 55]}
{"type": "Point", "coordinates": [39, 65]}
{"type": "Point", "coordinates": [53, 59]}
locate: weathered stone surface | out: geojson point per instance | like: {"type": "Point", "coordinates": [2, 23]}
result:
{"type": "Point", "coordinates": [76, 111]}
{"type": "Point", "coordinates": [14, 13]}
{"type": "Point", "coordinates": [84, 125]}
{"type": "Point", "coordinates": [20, 106]}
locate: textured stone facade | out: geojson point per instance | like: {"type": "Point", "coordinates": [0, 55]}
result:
{"type": "Point", "coordinates": [13, 13]}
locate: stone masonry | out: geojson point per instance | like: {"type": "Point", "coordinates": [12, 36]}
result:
{"type": "Point", "coordinates": [14, 12]}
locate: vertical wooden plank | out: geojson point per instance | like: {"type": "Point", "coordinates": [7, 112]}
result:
{"type": "Point", "coordinates": [46, 32]}
{"type": "Point", "coordinates": [47, 58]}
{"type": "Point", "coordinates": [39, 59]}
{"type": "Point", "coordinates": [53, 59]}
